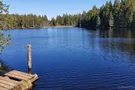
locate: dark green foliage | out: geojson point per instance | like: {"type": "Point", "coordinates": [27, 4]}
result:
{"type": "Point", "coordinates": [26, 21]}
{"type": "Point", "coordinates": [3, 67]}
{"type": "Point", "coordinates": [66, 20]}
{"type": "Point", "coordinates": [4, 25]}
{"type": "Point", "coordinates": [119, 14]}
{"type": "Point", "coordinates": [98, 21]}
{"type": "Point", "coordinates": [53, 22]}
{"type": "Point", "coordinates": [111, 20]}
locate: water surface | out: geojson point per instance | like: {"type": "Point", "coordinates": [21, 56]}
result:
{"type": "Point", "coordinates": [75, 58]}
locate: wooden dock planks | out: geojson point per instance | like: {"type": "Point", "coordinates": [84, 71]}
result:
{"type": "Point", "coordinates": [7, 84]}
{"type": "Point", "coordinates": [1, 88]}
{"type": "Point", "coordinates": [14, 79]}
{"type": "Point", "coordinates": [9, 80]}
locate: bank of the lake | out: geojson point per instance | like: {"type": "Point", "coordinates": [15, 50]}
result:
{"type": "Point", "coordinates": [33, 28]}
{"type": "Point", "coordinates": [58, 26]}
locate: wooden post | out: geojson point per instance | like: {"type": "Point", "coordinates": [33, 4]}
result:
{"type": "Point", "coordinates": [0, 65]}
{"type": "Point", "coordinates": [29, 59]}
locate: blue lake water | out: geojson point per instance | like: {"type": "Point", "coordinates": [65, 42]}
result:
{"type": "Point", "coordinates": [75, 58]}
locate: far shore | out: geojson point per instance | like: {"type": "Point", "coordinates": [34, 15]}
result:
{"type": "Point", "coordinates": [44, 27]}
{"type": "Point", "coordinates": [57, 26]}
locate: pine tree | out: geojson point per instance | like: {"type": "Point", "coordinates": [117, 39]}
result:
{"type": "Point", "coordinates": [98, 21]}
{"type": "Point", "coordinates": [116, 7]}
{"type": "Point", "coordinates": [111, 20]}
{"type": "Point", "coordinates": [53, 22]}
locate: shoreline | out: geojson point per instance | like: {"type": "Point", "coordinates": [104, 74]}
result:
{"type": "Point", "coordinates": [41, 27]}
{"type": "Point", "coordinates": [57, 26]}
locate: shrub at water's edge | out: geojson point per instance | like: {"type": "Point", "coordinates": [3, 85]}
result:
{"type": "Point", "coordinates": [3, 40]}
{"type": "Point", "coordinates": [3, 25]}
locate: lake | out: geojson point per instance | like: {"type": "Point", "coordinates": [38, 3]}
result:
{"type": "Point", "coordinates": [75, 58]}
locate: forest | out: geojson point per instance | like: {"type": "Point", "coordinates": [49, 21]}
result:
{"type": "Point", "coordinates": [120, 14]}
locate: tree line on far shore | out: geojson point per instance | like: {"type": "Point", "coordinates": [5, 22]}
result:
{"type": "Point", "coordinates": [120, 14]}
{"type": "Point", "coordinates": [14, 21]}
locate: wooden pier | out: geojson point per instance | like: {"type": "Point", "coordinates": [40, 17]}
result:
{"type": "Point", "coordinates": [16, 80]}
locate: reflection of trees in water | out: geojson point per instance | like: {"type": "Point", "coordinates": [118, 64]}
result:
{"type": "Point", "coordinates": [122, 40]}
{"type": "Point", "coordinates": [3, 67]}
{"type": "Point", "coordinates": [122, 33]}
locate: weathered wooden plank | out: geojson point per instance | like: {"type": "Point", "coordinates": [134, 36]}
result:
{"type": "Point", "coordinates": [6, 86]}
{"type": "Point", "coordinates": [15, 76]}
{"type": "Point", "coordinates": [22, 73]}
{"type": "Point", "coordinates": [9, 80]}
{"type": "Point", "coordinates": [8, 83]}
{"type": "Point", "coordinates": [35, 78]}
{"type": "Point", "coordinates": [18, 74]}
{"type": "Point", "coordinates": [1, 88]}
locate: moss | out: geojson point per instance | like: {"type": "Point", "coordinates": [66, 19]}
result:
{"type": "Point", "coordinates": [25, 84]}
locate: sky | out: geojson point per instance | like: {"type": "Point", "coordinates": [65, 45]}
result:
{"type": "Point", "coordinates": [51, 8]}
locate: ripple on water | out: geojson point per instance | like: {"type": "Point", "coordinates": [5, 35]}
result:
{"type": "Point", "coordinates": [75, 58]}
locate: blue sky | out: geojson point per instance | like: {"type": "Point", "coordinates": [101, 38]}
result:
{"type": "Point", "coordinates": [51, 8]}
